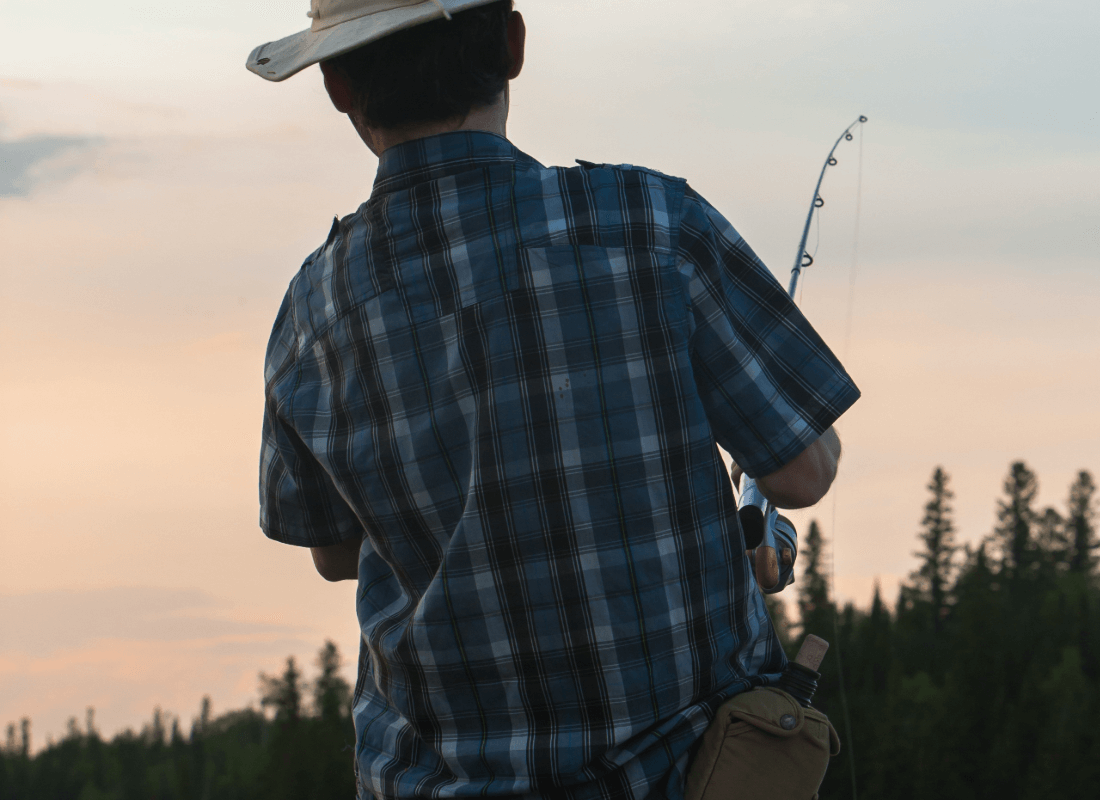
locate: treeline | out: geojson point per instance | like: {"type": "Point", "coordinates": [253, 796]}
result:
{"type": "Point", "coordinates": [982, 681]}
{"type": "Point", "coordinates": [302, 751]}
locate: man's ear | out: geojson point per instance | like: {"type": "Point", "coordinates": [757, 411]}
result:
{"type": "Point", "coordinates": [338, 87]}
{"type": "Point", "coordinates": [517, 38]}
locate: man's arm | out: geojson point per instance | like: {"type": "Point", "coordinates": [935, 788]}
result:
{"type": "Point", "coordinates": [338, 562]}
{"type": "Point", "coordinates": [804, 480]}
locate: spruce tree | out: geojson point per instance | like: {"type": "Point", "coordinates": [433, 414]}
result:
{"type": "Point", "coordinates": [814, 606]}
{"type": "Point", "coordinates": [1015, 519]}
{"type": "Point", "coordinates": [1080, 528]}
{"type": "Point", "coordinates": [777, 612]}
{"type": "Point", "coordinates": [283, 693]}
{"type": "Point", "coordinates": [331, 693]}
{"type": "Point", "coordinates": [937, 558]}
{"type": "Point", "coordinates": [1050, 537]}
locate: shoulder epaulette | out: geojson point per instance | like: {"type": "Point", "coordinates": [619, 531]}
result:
{"type": "Point", "coordinates": [632, 167]}
{"type": "Point", "coordinates": [333, 231]}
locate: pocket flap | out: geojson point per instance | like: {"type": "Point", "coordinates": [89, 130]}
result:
{"type": "Point", "coordinates": [769, 709]}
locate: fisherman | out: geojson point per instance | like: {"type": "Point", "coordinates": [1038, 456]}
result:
{"type": "Point", "coordinates": [493, 397]}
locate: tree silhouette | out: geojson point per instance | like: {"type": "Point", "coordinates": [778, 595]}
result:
{"type": "Point", "coordinates": [1080, 524]}
{"type": "Point", "coordinates": [331, 693]}
{"type": "Point", "coordinates": [1015, 518]}
{"type": "Point", "coordinates": [240, 755]}
{"type": "Point", "coordinates": [936, 557]}
{"type": "Point", "coordinates": [283, 693]}
{"type": "Point", "coordinates": [814, 607]}
{"type": "Point", "coordinates": [777, 613]}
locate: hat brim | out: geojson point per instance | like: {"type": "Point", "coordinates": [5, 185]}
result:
{"type": "Point", "coordinates": [277, 61]}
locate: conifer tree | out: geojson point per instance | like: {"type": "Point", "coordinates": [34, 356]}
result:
{"type": "Point", "coordinates": [1080, 528]}
{"type": "Point", "coordinates": [938, 536]}
{"type": "Point", "coordinates": [331, 693]}
{"type": "Point", "coordinates": [156, 731]}
{"type": "Point", "coordinates": [777, 612]}
{"type": "Point", "coordinates": [1015, 518]}
{"type": "Point", "coordinates": [876, 651]}
{"type": "Point", "coordinates": [814, 606]}
{"type": "Point", "coordinates": [1050, 536]}
{"type": "Point", "coordinates": [283, 693]}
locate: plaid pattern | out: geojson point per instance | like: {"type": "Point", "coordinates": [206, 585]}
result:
{"type": "Point", "coordinates": [512, 377]}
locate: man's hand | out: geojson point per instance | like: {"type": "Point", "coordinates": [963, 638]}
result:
{"type": "Point", "coordinates": [803, 481]}
{"type": "Point", "coordinates": [338, 562]}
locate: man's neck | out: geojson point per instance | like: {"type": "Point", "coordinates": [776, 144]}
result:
{"type": "Point", "coordinates": [492, 119]}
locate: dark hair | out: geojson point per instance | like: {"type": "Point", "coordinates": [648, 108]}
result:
{"type": "Point", "coordinates": [434, 71]}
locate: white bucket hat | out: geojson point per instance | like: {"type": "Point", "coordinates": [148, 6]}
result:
{"type": "Point", "coordinates": [343, 25]}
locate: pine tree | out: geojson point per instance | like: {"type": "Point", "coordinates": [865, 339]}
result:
{"type": "Point", "coordinates": [331, 693]}
{"type": "Point", "coordinates": [1015, 518]}
{"type": "Point", "coordinates": [283, 693]}
{"type": "Point", "coordinates": [156, 731]}
{"type": "Point", "coordinates": [814, 607]}
{"type": "Point", "coordinates": [777, 612]}
{"type": "Point", "coordinates": [877, 646]}
{"type": "Point", "coordinates": [1051, 539]}
{"type": "Point", "coordinates": [1080, 526]}
{"type": "Point", "coordinates": [937, 558]}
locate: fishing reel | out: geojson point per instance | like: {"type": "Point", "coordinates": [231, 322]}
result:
{"type": "Point", "coordinates": [770, 538]}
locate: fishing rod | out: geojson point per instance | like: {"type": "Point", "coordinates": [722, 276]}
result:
{"type": "Point", "coordinates": [800, 261]}
{"type": "Point", "coordinates": [772, 537]}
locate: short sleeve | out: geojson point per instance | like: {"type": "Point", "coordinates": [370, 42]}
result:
{"type": "Point", "coordinates": [769, 384]}
{"type": "Point", "coordinates": [299, 504]}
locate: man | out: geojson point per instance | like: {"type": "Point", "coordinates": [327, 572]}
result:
{"type": "Point", "coordinates": [493, 397]}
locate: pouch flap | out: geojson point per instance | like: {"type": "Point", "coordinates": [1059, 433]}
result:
{"type": "Point", "coordinates": [767, 708]}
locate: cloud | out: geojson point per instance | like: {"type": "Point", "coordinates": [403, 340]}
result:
{"type": "Point", "coordinates": [40, 623]}
{"type": "Point", "coordinates": [26, 163]}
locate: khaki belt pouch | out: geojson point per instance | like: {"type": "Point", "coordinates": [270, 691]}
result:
{"type": "Point", "coordinates": [762, 744]}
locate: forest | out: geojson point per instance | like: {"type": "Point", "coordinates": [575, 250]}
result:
{"type": "Point", "coordinates": [980, 680]}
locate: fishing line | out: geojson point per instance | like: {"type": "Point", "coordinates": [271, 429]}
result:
{"type": "Point", "coordinates": [853, 272]}
{"type": "Point", "coordinates": [839, 662]}
{"type": "Point", "coordinates": [751, 504]}
{"type": "Point", "coordinates": [803, 260]}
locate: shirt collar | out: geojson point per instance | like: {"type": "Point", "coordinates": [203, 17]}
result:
{"type": "Point", "coordinates": [434, 157]}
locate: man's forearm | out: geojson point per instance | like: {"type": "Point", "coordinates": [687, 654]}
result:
{"type": "Point", "coordinates": [805, 479]}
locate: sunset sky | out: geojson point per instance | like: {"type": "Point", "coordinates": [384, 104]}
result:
{"type": "Point", "coordinates": [156, 198]}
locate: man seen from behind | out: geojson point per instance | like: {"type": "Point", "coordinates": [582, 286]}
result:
{"type": "Point", "coordinates": [495, 396]}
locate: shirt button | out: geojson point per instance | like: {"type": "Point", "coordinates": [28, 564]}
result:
{"type": "Point", "coordinates": [788, 722]}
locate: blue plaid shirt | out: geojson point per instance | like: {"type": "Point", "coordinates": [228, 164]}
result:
{"type": "Point", "coordinates": [512, 379]}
